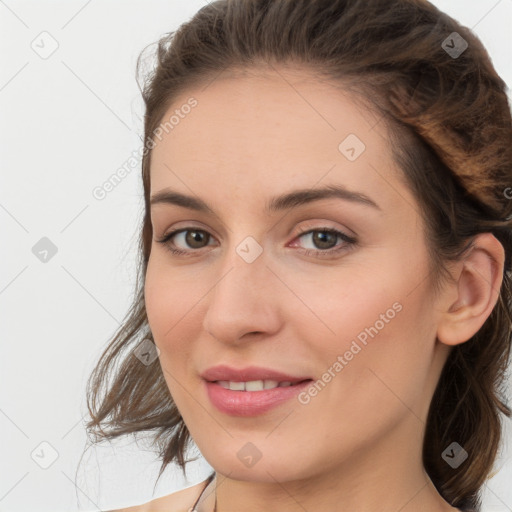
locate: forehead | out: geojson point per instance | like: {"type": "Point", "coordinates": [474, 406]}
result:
{"type": "Point", "coordinates": [252, 133]}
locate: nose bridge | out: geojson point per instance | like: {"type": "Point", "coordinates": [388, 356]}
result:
{"type": "Point", "coordinates": [242, 299]}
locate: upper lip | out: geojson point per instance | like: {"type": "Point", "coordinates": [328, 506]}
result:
{"type": "Point", "coordinates": [223, 372]}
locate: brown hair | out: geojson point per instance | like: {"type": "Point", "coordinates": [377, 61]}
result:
{"type": "Point", "coordinates": [450, 120]}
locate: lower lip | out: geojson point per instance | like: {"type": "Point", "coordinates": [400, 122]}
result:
{"type": "Point", "coordinates": [251, 403]}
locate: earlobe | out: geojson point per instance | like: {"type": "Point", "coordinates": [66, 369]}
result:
{"type": "Point", "coordinates": [477, 285]}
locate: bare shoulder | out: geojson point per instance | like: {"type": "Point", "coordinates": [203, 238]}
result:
{"type": "Point", "coordinates": [179, 501]}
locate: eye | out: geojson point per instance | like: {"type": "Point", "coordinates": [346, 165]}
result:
{"type": "Point", "coordinates": [324, 238]}
{"type": "Point", "coordinates": [194, 238]}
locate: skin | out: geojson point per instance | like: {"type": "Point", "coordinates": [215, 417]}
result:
{"type": "Point", "coordinates": [356, 446]}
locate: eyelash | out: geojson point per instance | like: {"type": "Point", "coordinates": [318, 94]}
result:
{"type": "Point", "coordinates": [349, 242]}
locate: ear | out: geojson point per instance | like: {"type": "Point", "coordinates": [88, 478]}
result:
{"type": "Point", "coordinates": [477, 286]}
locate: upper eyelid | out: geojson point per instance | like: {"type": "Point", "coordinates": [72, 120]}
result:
{"type": "Point", "coordinates": [302, 231]}
{"type": "Point", "coordinates": [312, 225]}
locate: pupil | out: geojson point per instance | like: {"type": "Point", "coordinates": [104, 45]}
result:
{"type": "Point", "coordinates": [194, 237]}
{"type": "Point", "coordinates": [320, 238]}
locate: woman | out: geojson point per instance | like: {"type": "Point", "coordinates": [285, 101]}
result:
{"type": "Point", "coordinates": [324, 292]}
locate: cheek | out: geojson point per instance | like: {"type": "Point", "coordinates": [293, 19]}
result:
{"type": "Point", "coordinates": [171, 301]}
{"type": "Point", "coordinates": [378, 319]}
{"type": "Point", "coordinates": [158, 297]}
{"type": "Point", "coordinates": [170, 295]}
{"type": "Point", "coordinates": [170, 311]}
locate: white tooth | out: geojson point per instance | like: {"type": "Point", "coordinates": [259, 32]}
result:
{"type": "Point", "coordinates": [284, 384]}
{"type": "Point", "coordinates": [254, 385]}
{"type": "Point", "coordinates": [270, 384]}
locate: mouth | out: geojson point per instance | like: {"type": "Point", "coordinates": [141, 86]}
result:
{"type": "Point", "coordinates": [257, 385]}
{"type": "Point", "coordinates": [254, 397]}
{"type": "Point", "coordinates": [251, 375]}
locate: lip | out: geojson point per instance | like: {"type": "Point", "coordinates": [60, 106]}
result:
{"type": "Point", "coordinates": [224, 372]}
{"type": "Point", "coordinates": [250, 403]}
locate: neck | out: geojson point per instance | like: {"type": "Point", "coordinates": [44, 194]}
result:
{"type": "Point", "coordinates": [387, 475]}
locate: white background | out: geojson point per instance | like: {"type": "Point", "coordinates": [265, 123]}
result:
{"type": "Point", "coordinates": [67, 124]}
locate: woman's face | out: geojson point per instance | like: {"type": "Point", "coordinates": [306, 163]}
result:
{"type": "Point", "coordinates": [354, 313]}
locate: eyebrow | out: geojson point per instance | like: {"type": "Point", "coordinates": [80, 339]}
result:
{"type": "Point", "coordinates": [285, 201]}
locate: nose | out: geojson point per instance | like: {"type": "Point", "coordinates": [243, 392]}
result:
{"type": "Point", "coordinates": [245, 300]}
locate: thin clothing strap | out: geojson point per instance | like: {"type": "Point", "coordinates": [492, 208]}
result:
{"type": "Point", "coordinates": [208, 481]}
